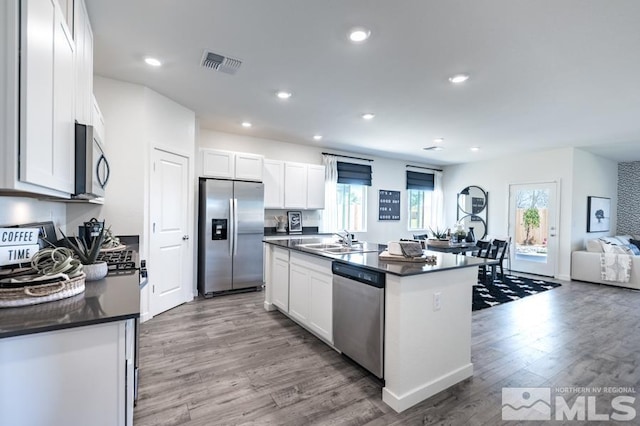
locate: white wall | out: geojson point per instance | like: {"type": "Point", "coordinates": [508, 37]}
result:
{"type": "Point", "coordinates": [137, 120]}
{"type": "Point", "coordinates": [592, 176]}
{"type": "Point", "coordinates": [122, 105]}
{"type": "Point", "coordinates": [577, 172]}
{"type": "Point", "coordinates": [19, 210]}
{"type": "Point", "coordinates": [387, 174]}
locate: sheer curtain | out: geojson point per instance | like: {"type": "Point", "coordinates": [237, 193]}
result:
{"type": "Point", "coordinates": [437, 202]}
{"type": "Point", "coordinates": [330, 212]}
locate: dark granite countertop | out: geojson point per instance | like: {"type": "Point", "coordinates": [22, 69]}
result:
{"type": "Point", "coordinates": [370, 260]}
{"type": "Point", "coordinates": [113, 298]}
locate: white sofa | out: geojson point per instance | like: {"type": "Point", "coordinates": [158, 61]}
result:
{"type": "Point", "coordinates": [585, 264]}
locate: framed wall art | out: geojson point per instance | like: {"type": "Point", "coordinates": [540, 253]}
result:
{"type": "Point", "coordinates": [389, 205]}
{"type": "Point", "coordinates": [295, 222]}
{"type": "Point", "coordinates": [598, 214]}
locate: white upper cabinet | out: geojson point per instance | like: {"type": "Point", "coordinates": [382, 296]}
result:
{"type": "Point", "coordinates": [248, 166]}
{"type": "Point", "coordinates": [273, 178]}
{"type": "Point", "coordinates": [97, 120]}
{"type": "Point", "coordinates": [315, 187]}
{"type": "Point", "coordinates": [41, 87]}
{"type": "Point", "coordinates": [231, 165]}
{"type": "Point", "coordinates": [303, 186]}
{"type": "Point", "coordinates": [289, 185]}
{"type": "Point", "coordinates": [217, 164]}
{"type": "Point", "coordinates": [83, 36]}
{"type": "Point", "coordinates": [295, 185]}
{"type": "Point", "coordinates": [47, 97]}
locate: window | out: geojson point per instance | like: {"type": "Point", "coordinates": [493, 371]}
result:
{"type": "Point", "coordinates": [419, 209]}
{"type": "Point", "coordinates": [352, 207]}
{"type": "Point", "coordinates": [420, 187]}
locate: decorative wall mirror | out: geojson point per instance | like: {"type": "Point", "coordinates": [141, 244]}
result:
{"type": "Point", "coordinates": [472, 210]}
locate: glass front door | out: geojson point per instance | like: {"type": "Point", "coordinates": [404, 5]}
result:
{"type": "Point", "coordinates": [533, 228]}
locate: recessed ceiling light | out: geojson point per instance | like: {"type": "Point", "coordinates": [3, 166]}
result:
{"type": "Point", "coordinates": [438, 140]}
{"type": "Point", "coordinates": [359, 34]}
{"type": "Point", "coordinates": [246, 124]}
{"type": "Point", "coordinates": [368, 115]}
{"type": "Point", "coordinates": [459, 78]}
{"type": "Point", "coordinates": [317, 137]}
{"type": "Point", "coordinates": [475, 148]}
{"type": "Point", "coordinates": [153, 62]}
{"type": "Point", "coordinates": [283, 95]}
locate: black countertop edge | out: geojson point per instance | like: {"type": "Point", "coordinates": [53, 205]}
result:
{"type": "Point", "coordinates": [306, 230]}
{"type": "Point", "coordinates": [114, 298]}
{"type": "Point", "coordinates": [370, 260]}
{"type": "Point", "coordinates": [57, 327]}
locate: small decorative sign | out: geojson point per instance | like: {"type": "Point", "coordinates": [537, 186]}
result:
{"type": "Point", "coordinates": [295, 222]}
{"type": "Point", "coordinates": [11, 255]}
{"type": "Point", "coordinates": [18, 245]}
{"type": "Point", "coordinates": [389, 205]}
{"type": "Point", "coordinates": [18, 236]}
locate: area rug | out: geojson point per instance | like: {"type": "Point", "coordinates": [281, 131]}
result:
{"type": "Point", "coordinates": [486, 295]}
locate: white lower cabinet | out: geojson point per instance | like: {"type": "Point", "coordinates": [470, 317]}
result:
{"type": "Point", "coordinates": [299, 291]}
{"type": "Point", "coordinates": [311, 293]}
{"type": "Point", "coordinates": [77, 376]}
{"type": "Point", "coordinates": [280, 278]}
{"type": "Point", "coordinates": [321, 306]}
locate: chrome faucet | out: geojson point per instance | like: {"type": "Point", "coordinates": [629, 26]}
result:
{"type": "Point", "coordinates": [346, 238]}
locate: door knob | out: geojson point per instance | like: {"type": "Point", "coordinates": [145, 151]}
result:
{"type": "Point", "coordinates": [185, 237]}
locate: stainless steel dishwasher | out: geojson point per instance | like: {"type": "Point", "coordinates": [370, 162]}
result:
{"type": "Point", "coordinates": [358, 315]}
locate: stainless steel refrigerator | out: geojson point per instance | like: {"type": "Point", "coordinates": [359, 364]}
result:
{"type": "Point", "coordinates": [231, 228]}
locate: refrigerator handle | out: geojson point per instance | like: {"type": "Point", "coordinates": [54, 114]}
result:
{"type": "Point", "coordinates": [232, 226]}
{"type": "Point", "coordinates": [235, 226]}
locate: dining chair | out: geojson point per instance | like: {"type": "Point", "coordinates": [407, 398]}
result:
{"type": "Point", "coordinates": [498, 250]}
{"type": "Point", "coordinates": [483, 250]}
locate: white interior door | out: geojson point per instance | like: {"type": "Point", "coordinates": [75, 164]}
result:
{"type": "Point", "coordinates": [533, 227]}
{"type": "Point", "coordinates": [169, 259]}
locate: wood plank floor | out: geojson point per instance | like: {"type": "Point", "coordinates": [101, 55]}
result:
{"type": "Point", "coordinates": [226, 361]}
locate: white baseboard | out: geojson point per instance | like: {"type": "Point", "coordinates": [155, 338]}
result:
{"type": "Point", "coordinates": [409, 399]}
{"type": "Point", "coordinates": [269, 306]}
{"type": "Point", "coordinates": [564, 277]}
{"type": "Point", "coordinates": [145, 317]}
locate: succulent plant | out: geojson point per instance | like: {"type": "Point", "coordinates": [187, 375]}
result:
{"type": "Point", "coordinates": [87, 253]}
{"type": "Point", "coordinates": [438, 233]}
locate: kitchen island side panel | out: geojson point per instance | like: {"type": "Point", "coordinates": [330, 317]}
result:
{"type": "Point", "coordinates": [427, 347]}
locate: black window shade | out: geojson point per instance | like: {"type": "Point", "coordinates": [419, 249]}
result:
{"type": "Point", "coordinates": [423, 181]}
{"type": "Point", "coordinates": [354, 174]}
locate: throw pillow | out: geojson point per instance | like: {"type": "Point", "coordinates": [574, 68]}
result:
{"type": "Point", "coordinates": [635, 243]}
{"type": "Point", "coordinates": [595, 245]}
{"type": "Point", "coordinates": [634, 249]}
{"type": "Point", "coordinates": [610, 240]}
{"type": "Point", "coordinates": [624, 239]}
{"type": "Point", "coordinates": [612, 248]}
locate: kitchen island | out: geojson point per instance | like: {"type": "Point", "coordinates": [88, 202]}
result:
{"type": "Point", "coordinates": [71, 361]}
{"type": "Point", "coordinates": [427, 311]}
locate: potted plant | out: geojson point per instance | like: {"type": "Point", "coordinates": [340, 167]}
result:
{"type": "Point", "coordinates": [87, 253]}
{"type": "Point", "coordinates": [438, 234]}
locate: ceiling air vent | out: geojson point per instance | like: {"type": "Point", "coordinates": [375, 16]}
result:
{"type": "Point", "coordinates": [433, 148]}
{"type": "Point", "coordinates": [220, 63]}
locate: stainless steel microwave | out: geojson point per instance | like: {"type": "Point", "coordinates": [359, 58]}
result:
{"type": "Point", "coordinates": [92, 167]}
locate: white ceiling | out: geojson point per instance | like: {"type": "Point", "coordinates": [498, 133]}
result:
{"type": "Point", "coordinates": [544, 74]}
